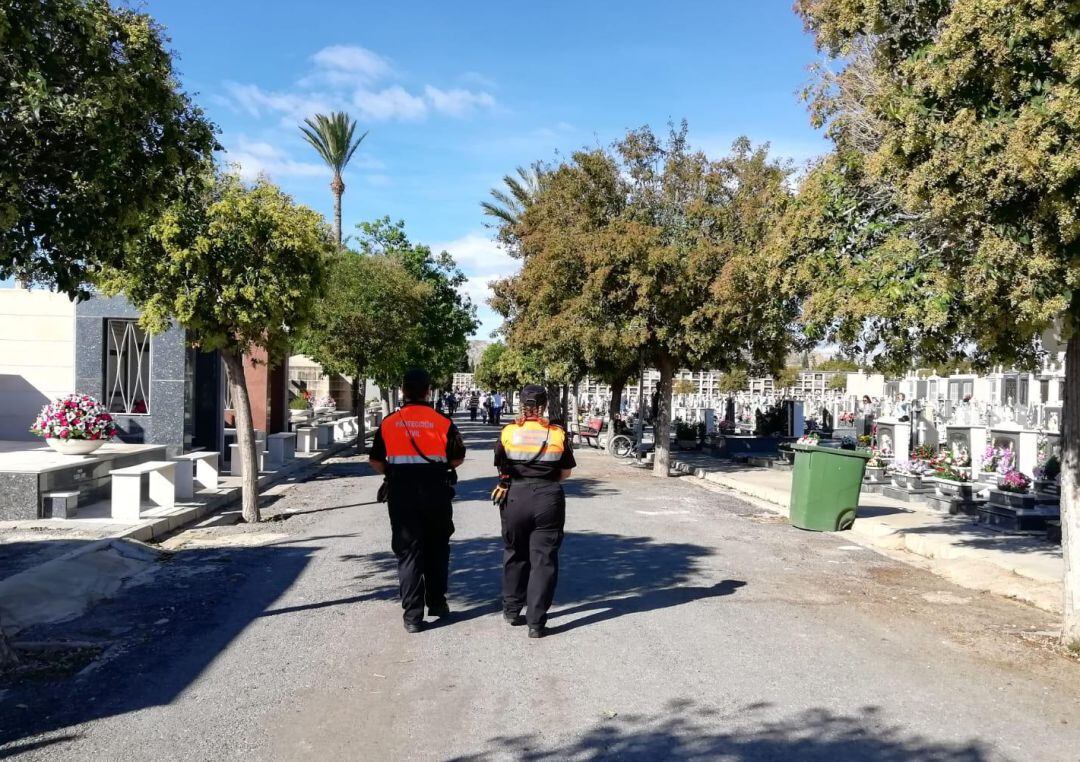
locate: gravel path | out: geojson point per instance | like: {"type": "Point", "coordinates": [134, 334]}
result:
{"type": "Point", "coordinates": [688, 625]}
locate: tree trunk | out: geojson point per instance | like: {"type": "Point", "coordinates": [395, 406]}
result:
{"type": "Point", "coordinates": [662, 419]}
{"type": "Point", "coordinates": [338, 188]}
{"type": "Point", "coordinates": [1070, 489]}
{"type": "Point", "coordinates": [384, 394]}
{"type": "Point", "coordinates": [8, 658]}
{"type": "Point", "coordinates": [245, 436]}
{"type": "Point", "coordinates": [554, 411]}
{"type": "Point", "coordinates": [564, 403]}
{"type": "Point", "coordinates": [360, 405]}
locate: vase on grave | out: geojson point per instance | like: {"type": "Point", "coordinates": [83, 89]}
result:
{"type": "Point", "coordinates": [74, 446]}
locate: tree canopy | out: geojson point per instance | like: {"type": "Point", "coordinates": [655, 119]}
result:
{"type": "Point", "coordinates": [448, 317]}
{"type": "Point", "coordinates": [96, 137]}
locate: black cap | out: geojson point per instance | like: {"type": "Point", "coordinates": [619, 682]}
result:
{"type": "Point", "coordinates": [534, 394]}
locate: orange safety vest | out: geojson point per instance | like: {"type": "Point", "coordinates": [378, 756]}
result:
{"type": "Point", "coordinates": [420, 424]}
{"type": "Point", "coordinates": [525, 442]}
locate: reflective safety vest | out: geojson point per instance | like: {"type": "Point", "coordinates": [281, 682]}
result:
{"type": "Point", "coordinates": [418, 424]}
{"type": "Point", "coordinates": [525, 443]}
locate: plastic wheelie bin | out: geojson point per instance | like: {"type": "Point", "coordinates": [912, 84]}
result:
{"type": "Point", "coordinates": [825, 487]}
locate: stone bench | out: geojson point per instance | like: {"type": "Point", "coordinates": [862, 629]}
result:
{"type": "Point", "coordinates": [307, 439]}
{"type": "Point", "coordinates": [201, 467]}
{"type": "Point", "coordinates": [282, 447]}
{"type": "Point", "coordinates": [236, 467]}
{"type": "Point", "coordinates": [324, 435]}
{"type": "Point", "coordinates": [127, 488]}
{"type": "Point", "coordinates": [63, 504]}
{"type": "Point", "coordinates": [346, 429]}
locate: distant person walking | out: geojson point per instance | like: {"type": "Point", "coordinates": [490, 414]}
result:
{"type": "Point", "coordinates": [532, 456]}
{"type": "Point", "coordinates": [474, 404]}
{"type": "Point", "coordinates": [417, 449]}
{"type": "Point", "coordinates": [485, 407]}
{"type": "Point", "coordinates": [496, 408]}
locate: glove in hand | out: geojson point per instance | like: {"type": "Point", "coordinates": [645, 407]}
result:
{"type": "Point", "coordinates": [499, 494]}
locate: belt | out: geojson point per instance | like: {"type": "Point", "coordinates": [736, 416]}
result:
{"type": "Point", "coordinates": [531, 480]}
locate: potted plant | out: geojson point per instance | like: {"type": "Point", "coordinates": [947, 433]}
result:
{"type": "Point", "coordinates": [1047, 476]}
{"type": "Point", "coordinates": [910, 475]}
{"type": "Point", "coordinates": [1012, 491]}
{"type": "Point", "coordinates": [298, 407]}
{"type": "Point", "coordinates": [685, 434]}
{"type": "Point", "coordinates": [324, 402]}
{"type": "Point", "coordinates": [875, 467]}
{"type": "Point", "coordinates": [75, 425]}
{"type": "Point", "coordinates": [810, 438]}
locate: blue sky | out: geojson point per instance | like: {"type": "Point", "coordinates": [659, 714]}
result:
{"type": "Point", "coordinates": [456, 94]}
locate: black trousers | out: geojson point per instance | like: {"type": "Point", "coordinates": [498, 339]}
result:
{"type": "Point", "coordinates": [421, 523]}
{"type": "Point", "coordinates": [472, 413]}
{"type": "Point", "coordinates": [532, 529]}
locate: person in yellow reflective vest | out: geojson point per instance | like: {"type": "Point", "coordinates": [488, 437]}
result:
{"type": "Point", "coordinates": [533, 456]}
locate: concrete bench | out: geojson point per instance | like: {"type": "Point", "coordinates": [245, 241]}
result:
{"type": "Point", "coordinates": [307, 439]}
{"type": "Point", "coordinates": [201, 467]}
{"type": "Point", "coordinates": [61, 504]}
{"type": "Point", "coordinates": [127, 488]}
{"type": "Point", "coordinates": [346, 429]}
{"type": "Point", "coordinates": [235, 466]}
{"type": "Point", "coordinates": [282, 447]}
{"type": "Point", "coordinates": [324, 435]}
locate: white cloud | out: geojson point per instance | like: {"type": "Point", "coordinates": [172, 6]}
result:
{"type": "Point", "coordinates": [391, 103]}
{"type": "Point", "coordinates": [457, 102]}
{"type": "Point", "coordinates": [350, 64]}
{"type": "Point", "coordinates": [252, 158]}
{"type": "Point", "coordinates": [293, 106]}
{"type": "Point", "coordinates": [476, 252]}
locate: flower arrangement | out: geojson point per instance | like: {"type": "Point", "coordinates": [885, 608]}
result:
{"type": "Point", "coordinates": [864, 440]}
{"type": "Point", "coordinates": [999, 459]}
{"type": "Point", "coordinates": [1014, 481]}
{"type": "Point", "coordinates": [847, 418]}
{"type": "Point", "coordinates": [952, 466]}
{"type": "Point", "coordinates": [299, 403]}
{"type": "Point", "coordinates": [810, 438]}
{"type": "Point", "coordinates": [914, 468]}
{"type": "Point", "coordinates": [877, 459]}
{"type": "Point", "coordinates": [75, 417]}
{"type": "Point", "coordinates": [325, 400]}
{"type": "Point", "coordinates": [924, 452]}
{"type": "Point", "coordinates": [1049, 470]}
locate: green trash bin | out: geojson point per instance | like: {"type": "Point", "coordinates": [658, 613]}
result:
{"type": "Point", "coordinates": [825, 487]}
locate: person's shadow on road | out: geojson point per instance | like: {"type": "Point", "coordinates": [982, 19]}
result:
{"type": "Point", "coordinates": [650, 600]}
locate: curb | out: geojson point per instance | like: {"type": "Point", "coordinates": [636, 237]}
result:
{"type": "Point", "coordinates": [966, 567]}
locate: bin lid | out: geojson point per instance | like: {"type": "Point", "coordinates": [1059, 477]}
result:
{"type": "Point", "coordinates": [832, 450]}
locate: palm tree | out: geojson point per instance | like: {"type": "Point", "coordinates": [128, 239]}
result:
{"type": "Point", "coordinates": [511, 203]}
{"type": "Point", "coordinates": [333, 137]}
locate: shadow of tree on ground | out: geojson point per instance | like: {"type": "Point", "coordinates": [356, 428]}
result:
{"type": "Point", "coordinates": [686, 731]}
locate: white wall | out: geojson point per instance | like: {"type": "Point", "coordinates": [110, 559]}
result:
{"type": "Point", "coordinates": [37, 356]}
{"type": "Point", "coordinates": [860, 384]}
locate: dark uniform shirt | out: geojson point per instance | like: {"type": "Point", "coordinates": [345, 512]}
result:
{"type": "Point", "coordinates": [455, 448]}
{"type": "Point", "coordinates": [527, 465]}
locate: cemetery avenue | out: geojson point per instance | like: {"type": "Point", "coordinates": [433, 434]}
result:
{"type": "Point", "coordinates": [717, 631]}
{"type": "Point", "coordinates": [552, 381]}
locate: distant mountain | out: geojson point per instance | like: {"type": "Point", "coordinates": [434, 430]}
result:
{"type": "Point", "coordinates": [476, 349]}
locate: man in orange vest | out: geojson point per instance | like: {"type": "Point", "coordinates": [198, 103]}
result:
{"type": "Point", "coordinates": [532, 456]}
{"type": "Point", "coordinates": [417, 449]}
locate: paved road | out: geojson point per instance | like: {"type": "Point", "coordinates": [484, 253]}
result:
{"type": "Point", "coordinates": [688, 625]}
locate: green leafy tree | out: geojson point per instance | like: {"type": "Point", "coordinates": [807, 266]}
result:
{"type": "Point", "coordinates": [94, 134]}
{"type": "Point", "coordinates": [448, 318]}
{"type": "Point", "coordinates": [786, 378]}
{"type": "Point", "coordinates": [649, 252]}
{"type": "Point", "coordinates": [684, 386]}
{"type": "Point", "coordinates": [363, 326]}
{"type": "Point", "coordinates": [838, 383]}
{"type": "Point", "coordinates": [238, 268]}
{"type": "Point", "coordinates": [334, 138]}
{"type": "Point", "coordinates": [735, 380]}
{"type": "Point", "coordinates": [839, 364]}
{"type": "Point", "coordinates": [962, 118]}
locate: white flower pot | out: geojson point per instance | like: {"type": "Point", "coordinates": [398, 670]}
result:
{"type": "Point", "coordinates": [75, 446]}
